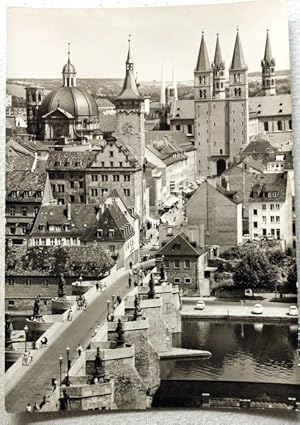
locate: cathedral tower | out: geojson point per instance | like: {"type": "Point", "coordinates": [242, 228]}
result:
{"type": "Point", "coordinates": [238, 100]}
{"type": "Point", "coordinates": [34, 98]}
{"type": "Point", "coordinates": [203, 92]}
{"type": "Point", "coordinates": [268, 70]}
{"type": "Point", "coordinates": [218, 66]}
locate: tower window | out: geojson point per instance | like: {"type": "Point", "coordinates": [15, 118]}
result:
{"type": "Point", "coordinates": [200, 93]}
{"type": "Point", "coordinates": [204, 94]}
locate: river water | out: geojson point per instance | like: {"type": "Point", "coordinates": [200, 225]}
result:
{"type": "Point", "coordinates": [245, 352]}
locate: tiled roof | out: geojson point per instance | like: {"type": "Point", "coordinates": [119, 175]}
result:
{"type": "Point", "coordinates": [183, 109]}
{"type": "Point", "coordinates": [104, 103]}
{"type": "Point", "coordinates": [32, 145]}
{"type": "Point", "coordinates": [111, 219]}
{"type": "Point", "coordinates": [26, 186]}
{"type": "Point", "coordinates": [264, 106]}
{"type": "Point", "coordinates": [259, 145]}
{"type": "Point", "coordinates": [165, 149]}
{"type": "Point", "coordinates": [180, 139]}
{"type": "Point", "coordinates": [179, 246]}
{"type": "Point", "coordinates": [82, 216]}
{"type": "Point", "coordinates": [63, 160]}
{"type": "Point", "coordinates": [53, 260]}
{"type": "Point", "coordinates": [270, 188]}
{"type": "Point", "coordinates": [19, 163]}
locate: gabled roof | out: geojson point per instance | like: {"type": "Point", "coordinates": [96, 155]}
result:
{"type": "Point", "coordinates": [203, 63]}
{"type": "Point", "coordinates": [183, 109]}
{"type": "Point", "coordinates": [19, 163]}
{"type": "Point", "coordinates": [82, 216]}
{"type": "Point", "coordinates": [104, 103]}
{"type": "Point", "coordinates": [270, 188]}
{"type": "Point", "coordinates": [63, 160]}
{"type": "Point", "coordinates": [58, 112]}
{"type": "Point", "coordinates": [238, 60]}
{"type": "Point", "coordinates": [180, 139]}
{"type": "Point", "coordinates": [166, 150]}
{"type": "Point", "coordinates": [258, 146]}
{"type": "Point", "coordinates": [111, 219]}
{"type": "Point", "coordinates": [179, 246]}
{"type": "Point", "coordinates": [265, 106]}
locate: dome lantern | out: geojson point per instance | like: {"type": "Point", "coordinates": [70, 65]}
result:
{"type": "Point", "coordinates": [69, 72]}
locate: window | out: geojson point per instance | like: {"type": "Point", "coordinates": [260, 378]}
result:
{"type": "Point", "coordinates": [94, 192]}
{"type": "Point", "coordinates": [264, 219]}
{"type": "Point", "coordinates": [36, 210]}
{"type": "Point", "coordinates": [12, 230]}
{"type": "Point", "coordinates": [36, 242]}
{"type": "Point", "coordinates": [277, 206]}
{"type": "Point", "coordinates": [255, 224]}
{"type": "Point", "coordinates": [28, 282]}
{"type": "Point", "coordinates": [72, 198]}
{"type": "Point", "coordinates": [127, 192]}
{"type": "Point", "coordinates": [178, 128]}
{"type": "Point", "coordinates": [190, 129]}
{"type": "Point", "coordinates": [111, 164]}
{"type": "Point", "coordinates": [112, 248]}
{"type": "Point", "coordinates": [264, 232]}
{"type": "Point", "coordinates": [24, 211]}
{"type": "Point", "coordinates": [11, 302]}
{"type": "Point", "coordinates": [177, 280]}
{"type": "Point", "coordinates": [104, 192]}
{"type": "Point", "coordinates": [264, 206]}
{"type": "Point", "coordinates": [104, 177]}
{"type": "Point", "coordinates": [167, 264]}
{"type": "Point", "coordinates": [12, 211]}
{"type": "Point", "coordinates": [111, 233]}
{"type": "Point", "coordinates": [272, 218]}
{"type": "Point", "coordinates": [126, 177]}
{"type": "Point", "coordinates": [52, 241]}
{"type": "Point", "coordinates": [290, 125]}
{"type": "Point", "coordinates": [41, 227]}
{"type": "Point", "coordinates": [187, 264]}
{"type": "Point", "coordinates": [111, 154]}
{"type": "Point", "coordinates": [99, 233]}
{"type": "Point", "coordinates": [72, 185]}
{"type": "Point", "coordinates": [170, 231]}
{"type": "Point", "coordinates": [121, 164]}
{"type": "Point", "coordinates": [272, 206]}
{"type": "Point", "coordinates": [277, 219]}
{"type": "Point", "coordinates": [255, 212]}
{"type": "Point", "coordinates": [45, 282]}
{"type": "Point", "coordinates": [81, 199]}
{"type": "Point", "coordinates": [279, 125]}
{"type": "Point", "coordinates": [116, 178]}
{"type": "Point", "coordinates": [61, 187]}
{"type": "Point", "coordinates": [94, 178]}
{"type": "Point", "coordinates": [187, 280]}
{"type": "Point", "coordinates": [266, 126]}
{"type": "Point", "coordinates": [43, 242]}
{"type": "Point", "coordinates": [24, 229]}
{"type": "Point", "coordinates": [102, 164]}
{"type": "Point", "coordinates": [176, 264]}
{"type": "Point", "coordinates": [26, 194]}
{"type": "Point", "coordinates": [61, 201]}
{"type": "Point", "coordinates": [81, 185]}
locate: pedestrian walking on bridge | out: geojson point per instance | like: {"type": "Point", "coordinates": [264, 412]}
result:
{"type": "Point", "coordinates": [79, 350]}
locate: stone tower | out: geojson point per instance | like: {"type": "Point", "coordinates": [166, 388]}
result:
{"type": "Point", "coordinates": [34, 97]}
{"type": "Point", "coordinates": [130, 113]}
{"type": "Point", "coordinates": [238, 100]}
{"type": "Point", "coordinates": [218, 66]}
{"type": "Point", "coordinates": [268, 70]}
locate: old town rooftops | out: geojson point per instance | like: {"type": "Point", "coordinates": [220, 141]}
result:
{"type": "Point", "coordinates": [71, 160]}
{"type": "Point", "coordinates": [53, 260]}
{"type": "Point", "coordinates": [264, 106]}
{"type": "Point", "coordinates": [70, 219]}
{"type": "Point", "coordinates": [180, 246]}
{"type": "Point", "coordinates": [25, 186]}
{"type": "Point", "coordinates": [180, 139]}
{"type": "Point", "coordinates": [111, 226]}
{"type": "Point", "coordinates": [269, 188]}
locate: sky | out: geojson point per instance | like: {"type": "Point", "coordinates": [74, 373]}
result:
{"type": "Point", "coordinates": [37, 38]}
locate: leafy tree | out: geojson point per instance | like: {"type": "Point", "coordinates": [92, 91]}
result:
{"type": "Point", "coordinates": [292, 278]}
{"type": "Point", "coordinates": [255, 271]}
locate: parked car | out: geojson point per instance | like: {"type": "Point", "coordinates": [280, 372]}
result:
{"type": "Point", "coordinates": [293, 310]}
{"type": "Point", "coordinates": [258, 309]}
{"type": "Point", "coordinates": [200, 305]}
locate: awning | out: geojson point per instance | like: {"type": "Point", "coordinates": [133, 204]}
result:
{"type": "Point", "coordinates": [172, 200]}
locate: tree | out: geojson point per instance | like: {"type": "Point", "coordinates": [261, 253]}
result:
{"type": "Point", "coordinates": [255, 271]}
{"type": "Point", "coordinates": [292, 278]}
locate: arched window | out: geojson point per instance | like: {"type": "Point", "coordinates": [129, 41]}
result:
{"type": "Point", "coordinates": [217, 85]}
{"type": "Point", "coordinates": [204, 94]}
{"type": "Point", "coordinates": [272, 82]}
{"type": "Point", "coordinates": [200, 93]}
{"type": "Point", "coordinates": [202, 79]}
{"type": "Point", "coordinates": [279, 125]}
{"type": "Point", "coordinates": [221, 73]}
{"type": "Point", "coordinates": [266, 126]}
{"type": "Point", "coordinates": [268, 83]}
{"type": "Point", "coordinates": [33, 97]}
{"type": "Point", "coordinates": [290, 125]}
{"type": "Point", "coordinates": [39, 97]}
{"type": "Point", "coordinates": [239, 91]}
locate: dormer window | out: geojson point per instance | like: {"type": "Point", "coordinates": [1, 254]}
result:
{"type": "Point", "coordinates": [56, 164]}
{"type": "Point", "coordinates": [111, 233]}
{"type": "Point", "coordinates": [99, 233]}
{"type": "Point", "coordinates": [41, 227]}
{"type": "Point", "coordinates": [26, 194]}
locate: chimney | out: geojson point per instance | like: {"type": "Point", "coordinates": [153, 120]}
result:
{"type": "Point", "coordinates": [69, 212]}
{"type": "Point", "coordinates": [34, 164]}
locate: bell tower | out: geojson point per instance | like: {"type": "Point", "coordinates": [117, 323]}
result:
{"type": "Point", "coordinates": [268, 70]}
{"type": "Point", "coordinates": [69, 72]}
{"type": "Point", "coordinates": [218, 67]}
{"type": "Point", "coordinates": [130, 112]}
{"type": "Point", "coordinates": [34, 98]}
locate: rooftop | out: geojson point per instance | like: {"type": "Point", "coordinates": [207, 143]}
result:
{"type": "Point", "coordinates": [264, 106]}
{"type": "Point", "coordinates": [269, 188]}
{"type": "Point", "coordinates": [180, 139]}
{"type": "Point", "coordinates": [179, 246]}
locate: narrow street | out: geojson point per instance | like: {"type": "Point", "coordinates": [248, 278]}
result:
{"type": "Point", "coordinates": [37, 381]}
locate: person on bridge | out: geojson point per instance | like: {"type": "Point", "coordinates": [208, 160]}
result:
{"type": "Point", "coordinates": [97, 286]}
{"type": "Point", "coordinates": [79, 350]}
{"type": "Point", "coordinates": [43, 402]}
{"type": "Point", "coordinates": [129, 282]}
{"type": "Point", "coordinates": [28, 408]}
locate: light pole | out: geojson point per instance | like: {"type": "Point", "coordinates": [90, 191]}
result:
{"type": "Point", "coordinates": [34, 335]}
{"type": "Point", "coordinates": [25, 330]}
{"type": "Point", "coordinates": [68, 363]}
{"type": "Point", "coordinates": [108, 308]}
{"type": "Point", "coordinates": [60, 359]}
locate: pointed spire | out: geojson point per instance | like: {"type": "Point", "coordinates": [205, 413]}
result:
{"type": "Point", "coordinates": [69, 71]}
{"type": "Point", "coordinates": [69, 52]}
{"type": "Point", "coordinates": [238, 61]}
{"type": "Point", "coordinates": [130, 89]}
{"type": "Point", "coordinates": [218, 60]}
{"type": "Point", "coordinates": [203, 61]}
{"type": "Point", "coordinates": [174, 82]}
{"type": "Point", "coordinates": [268, 57]}
{"type": "Point", "coordinates": [163, 86]}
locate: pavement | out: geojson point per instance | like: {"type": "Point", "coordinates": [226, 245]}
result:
{"type": "Point", "coordinates": [36, 381]}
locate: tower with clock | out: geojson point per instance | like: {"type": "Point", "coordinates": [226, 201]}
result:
{"type": "Point", "coordinates": [130, 113]}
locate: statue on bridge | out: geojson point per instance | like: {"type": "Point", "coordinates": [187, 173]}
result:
{"type": "Point", "coordinates": [162, 272]}
{"type": "Point", "coordinates": [37, 307]}
{"type": "Point", "coordinates": [61, 287]}
{"type": "Point", "coordinates": [99, 369]}
{"type": "Point", "coordinates": [137, 308]}
{"type": "Point", "coordinates": [151, 292]}
{"type": "Point", "coordinates": [120, 334]}
{"type": "Point", "coordinates": [8, 328]}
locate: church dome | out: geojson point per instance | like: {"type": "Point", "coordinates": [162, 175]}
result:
{"type": "Point", "coordinates": [69, 68]}
{"type": "Point", "coordinates": [74, 100]}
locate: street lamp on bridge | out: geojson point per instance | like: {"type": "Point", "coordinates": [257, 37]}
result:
{"type": "Point", "coordinates": [25, 330]}
{"type": "Point", "coordinates": [68, 364]}
{"type": "Point", "coordinates": [60, 359]}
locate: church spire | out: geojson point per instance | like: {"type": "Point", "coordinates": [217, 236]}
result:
{"type": "Point", "coordinates": [203, 60]}
{"type": "Point", "coordinates": [69, 71]}
{"type": "Point", "coordinates": [268, 70]}
{"type": "Point", "coordinates": [130, 89]}
{"type": "Point", "coordinates": [218, 67]}
{"type": "Point", "coordinates": [218, 60]}
{"type": "Point", "coordinates": [238, 61]}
